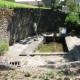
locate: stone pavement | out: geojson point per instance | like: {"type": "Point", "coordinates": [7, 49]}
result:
{"type": "Point", "coordinates": [73, 44]}
{"type": "Point", "coordinates": [30, 44]}
{"type": "Point", "coordinates": [24, 47]}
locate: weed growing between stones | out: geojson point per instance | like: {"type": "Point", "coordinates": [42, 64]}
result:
{"type": "Point", "coordinates": [27, 74]}
{"type": "Point", "coordinates": [3, 47]}
{"type": "Point", "coordinates": [37, 75]}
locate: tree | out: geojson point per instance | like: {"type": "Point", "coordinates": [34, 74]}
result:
{"type": "Point", "coordinates": [53, 2]}
{"type": "Point", "coordinates": [64, 2]}
{"type": "Point", "coordinates": [73, 7]}
{"type": "Point", "coordinates": [72, 21]}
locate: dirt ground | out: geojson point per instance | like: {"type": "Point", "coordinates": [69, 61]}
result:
{"type": "Point", "coordinates": [49, 60]}
{"type": "Point", "coordinates": [37, 74]}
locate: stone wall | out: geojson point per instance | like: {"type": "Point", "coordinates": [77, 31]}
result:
{"type": "Point", "coordinates": [4, 34]}
{"type": "Point", "coordinates": [16, 24]}
{"type": "Point", "coordinates": [51, 20]}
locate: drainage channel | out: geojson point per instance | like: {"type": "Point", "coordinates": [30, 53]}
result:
{"type": "Point", "coordinates": [15, 63]}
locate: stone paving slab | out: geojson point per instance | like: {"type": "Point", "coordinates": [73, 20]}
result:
{"type": "Point", "coordinates": [16, 49]}
{"type": "Point", "coordinates": [32, 47]}
{"type": "Point", "coordinates": [72, 43]}
{"type": "Point", "coordinates": [51, 53]}
{"type": "Point", "coordinates": [26, 46]}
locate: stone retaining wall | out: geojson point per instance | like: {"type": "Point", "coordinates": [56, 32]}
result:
{"type": "Point", "coordinates": [15, 24]}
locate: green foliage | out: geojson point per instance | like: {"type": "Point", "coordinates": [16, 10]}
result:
{"type": "Point", "coordinates": [45, 77]}
{"type": "Point", "coordinates": [35, 76]}
{"type": "Point", "coordinates": [73, 7]}
{"type": "Point", "coordinates": [7, 4]}
{"type": "Point", "coordinates": [72, 74]}
{"type": "Point", "coordinates": [42, 4]}
{"type": "Point", "coordinates": [64, 2]}
{"type": "Point", "coordinates": [57, 4]}
{"type": "Point", "coordinates": [9, 0]}
{"type": "Point", "coordinates": [49, 75]}
{"type": "Point", "coordinates": [72, 19]}
{"type": "Point", "coordinates": [27, 74]}
{"type": "Point", "coordinates": [53, 2]}
{"type": "Point", "coordinates": [3, 47]}
{"type": "Point", "coordinates": [10, 4]}
{"type": "Point", "coordinates": [37, 15]}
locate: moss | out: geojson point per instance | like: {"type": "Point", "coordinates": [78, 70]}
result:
{"type": "Point", "coordinates": [8, 13]}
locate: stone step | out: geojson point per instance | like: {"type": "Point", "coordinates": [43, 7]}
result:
{"type": "Point", "coordinates": [66, 65]}
{"type": "Point", "coordinates": [45, 53]}
{"type": "Point", "coordinates": [50, 53]}
{"type": "Point", "coordinates": [26, 53]}
{"type": "Point", "coordinates": [32, 47]}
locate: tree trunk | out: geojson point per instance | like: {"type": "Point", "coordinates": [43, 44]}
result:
{"type": "Point", "coordinates": [54, 36]}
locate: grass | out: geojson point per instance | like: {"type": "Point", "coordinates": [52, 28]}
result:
{"type": "Point", "coordinates": [52, 47]}
{"type": "Point", "coordinates": [3, 47]}
{"type": "Point", "coordinates": [8, 4]}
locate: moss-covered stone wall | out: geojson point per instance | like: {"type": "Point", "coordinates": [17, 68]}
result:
{"type": "Point", "coordinates": [4, 34]}
{"type": "Point", "coordinates": [51, 20]}
{"type": "Point", "coordinates": [15, 24]}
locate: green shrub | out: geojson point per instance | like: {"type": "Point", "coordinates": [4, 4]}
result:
{"type": "Point", "coordinates": [72, 18]}
{"type": "Point", "coordinates": [42, 4]}
{"type": "Point", "coordinates": [73, 7]}
{"type": "Point", "coordinates": [3, 47]}
{"type": "Point", "coordinates": [72, 21]}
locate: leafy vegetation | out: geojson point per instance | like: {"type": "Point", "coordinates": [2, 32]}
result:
{"type": "Point", "coordinates": [73, 7]}
{"type": "Point", "coordinates": [9, 4]}
{"type": "Point", "coordinates": [72, 21]}
{"type": "Point", "coordinates": [64, 2]}
{"type": "Point", "coordinates": [9, 0]}
{"type": "Point", "coordinates": [42, 4]}
{"type": "Point", "coordinates": [73, 18]}
{"type": "Point", "coordinates": [4, 4]}
{"type": "Point", "coordinates": [36, 74]}
{"type": "Point", "coordinates": [3, 47]}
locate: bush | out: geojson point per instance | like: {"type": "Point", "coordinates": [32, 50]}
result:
{"type": "Point", "coordinates": [41, 4]}
{"type": "Point", "coordinates": [72, 18]}
{"type": "Point", "coordinates": [73, 7]}
{"type": "Point", "coordinates": [72, 21]}
{"type": "Point", "coordinates": [3, 47]}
